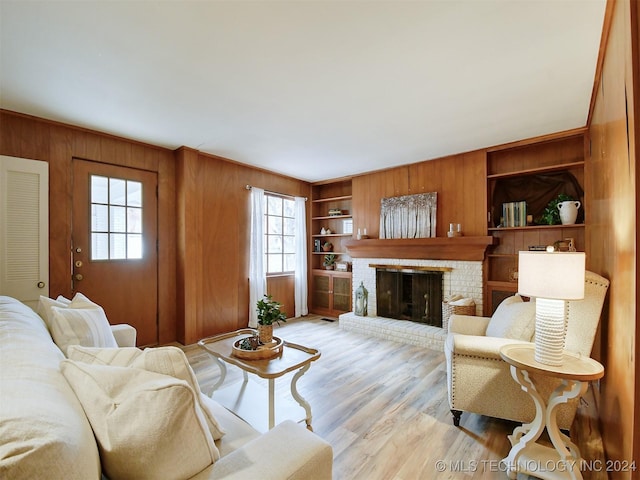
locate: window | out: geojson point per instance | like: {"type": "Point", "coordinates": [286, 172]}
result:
{"type": "Point", "coordinates": [116, 218]}
{"type": "Point", "coordinates": [280, 234]}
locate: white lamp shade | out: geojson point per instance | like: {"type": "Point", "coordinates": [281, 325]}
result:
{"type": "Point", "coordinates": [554, 275]}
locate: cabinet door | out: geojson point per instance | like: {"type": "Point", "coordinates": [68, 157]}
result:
{"type": "Point", "coordinates": [24, 229]}
{"type": "Point", "coordinates": [321, 291]}
{"type": "Point", "coordinates": [341, 294]}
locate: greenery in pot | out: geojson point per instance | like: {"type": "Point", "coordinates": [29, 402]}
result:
{"type": "Point", "coordinates": [551, 214]}
{"type": "Point", "coordinates": [329, 261]}
{"type": "Point", "coordinates": [269, 311]}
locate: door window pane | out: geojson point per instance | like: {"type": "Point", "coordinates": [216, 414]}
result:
{"type": "Point", "coordinates": [116, 219]}
{"type": "Point", "coordinates": [117, 246]}
{"type": "Point", "coordinates": [99, 189]}
{"type": "Point", "coordinates": [134, 220]}
{"type": "Point", "coordinates": [134, 194]}
{"type": "Point", "coordinates": [99, 218]}
{"type": "Point", "coordinates": [99, 246]}
{"type": "Point", "coordinates": [117, 191]}
{"type": "Point", "coordinates": [134, 246]}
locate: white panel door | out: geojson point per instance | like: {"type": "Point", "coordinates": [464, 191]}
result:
{"type": "Point", "coordinates": [24, 229]}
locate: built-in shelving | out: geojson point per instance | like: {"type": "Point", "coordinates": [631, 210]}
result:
{"type": "Point", "coordinates": [330, 289]}
{"type": "Point", "coordinates": [529, 161]}
{"type": "Point", "coordinates": [533, 171]}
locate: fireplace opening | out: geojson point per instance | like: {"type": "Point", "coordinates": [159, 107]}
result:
{"type": "Point", "coordinates": [410, 295]}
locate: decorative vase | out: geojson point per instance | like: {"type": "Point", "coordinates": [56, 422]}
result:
{"type": "Point", "coordinates": [568, 211]}
{"type": "Point", "coordinates": [265, 333]}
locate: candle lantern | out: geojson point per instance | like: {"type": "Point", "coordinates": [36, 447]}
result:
{"type": "Point", "coordinates": [362, 297]}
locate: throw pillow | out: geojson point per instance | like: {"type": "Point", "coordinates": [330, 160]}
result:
{"type": "Point", "coordinates": [81, 301]}
{"type": "Point", "coordinates": [513, 319]}
{"type": "Point", "coordinates": [165, 360]}
{"type": "Point", "coordinates": [147, 425]}
{"type": "Point", "coordinates": [81, 326]}
{"type": "Point", "coordinates": [44, 307]}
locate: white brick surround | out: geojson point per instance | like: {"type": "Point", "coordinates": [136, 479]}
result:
{"type": "Point", "coordinates": [465, 279]}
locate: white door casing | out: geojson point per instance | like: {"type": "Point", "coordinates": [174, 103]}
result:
{"type": "Point", "coordinates": [24, 229]}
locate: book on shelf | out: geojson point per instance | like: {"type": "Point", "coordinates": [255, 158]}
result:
{"type": "Point", "coordinates": [514, 214]}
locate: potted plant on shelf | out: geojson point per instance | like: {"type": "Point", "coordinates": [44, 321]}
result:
{"type": "Point", "coordinates": [329, 261]}
{"type": "Point", "coordinates": [551, 214]}
{"type": "Point", "coordinates": [327, 246]}
{"type": "Point", "coordinates": [268, 312]}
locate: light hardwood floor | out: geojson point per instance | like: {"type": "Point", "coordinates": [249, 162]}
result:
{"type": "Point", "coordinates": [383, 407]}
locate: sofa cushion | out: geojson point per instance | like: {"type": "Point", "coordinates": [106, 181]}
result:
{"type": "Point", "coordinates": [513, 319]}
{"type": "Point", "coordinates": [43, 430]}
{"type": "Point", "coordinates": [166, 360]}
{"type": "Point", "coordinates": [147, 425]}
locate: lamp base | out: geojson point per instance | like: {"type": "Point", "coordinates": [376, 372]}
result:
{"type": "Point", "coordinates": [550, 331]}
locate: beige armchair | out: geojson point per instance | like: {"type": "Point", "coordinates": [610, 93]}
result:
{"type": "Point", "coordinates": [479, 381]}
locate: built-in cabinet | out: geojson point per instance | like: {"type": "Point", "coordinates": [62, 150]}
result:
{"type": "Point", "coordinates": [533, 172]}
{"type": "Point", "coordinates": [331, 227]}
{"type": "Point", "coordinates": [331, 292]}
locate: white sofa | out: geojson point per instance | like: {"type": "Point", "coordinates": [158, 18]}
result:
{"type": "Point", "coordinates": [44, 432]}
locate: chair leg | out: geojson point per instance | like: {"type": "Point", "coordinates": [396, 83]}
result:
{"type": "Point", "coordinates": [456, 417]}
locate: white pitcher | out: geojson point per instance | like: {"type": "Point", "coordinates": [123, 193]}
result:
{"type": "Point", "coordinates": [568, 211]}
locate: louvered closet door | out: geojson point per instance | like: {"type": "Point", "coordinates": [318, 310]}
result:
{"type": "Point", "coordinates": [24, 229]}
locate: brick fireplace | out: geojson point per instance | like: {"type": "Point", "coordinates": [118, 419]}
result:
{"type": "Point", "coordinates": [460, 261]}
{"type": "Point", "coordinates": [461, 277]}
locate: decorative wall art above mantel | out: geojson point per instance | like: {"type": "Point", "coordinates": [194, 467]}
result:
{"type": "Point", "coordinates": [409, 216]}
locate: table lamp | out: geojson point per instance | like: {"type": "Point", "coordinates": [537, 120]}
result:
{"type": "Point", "coordinates": [552, 278]}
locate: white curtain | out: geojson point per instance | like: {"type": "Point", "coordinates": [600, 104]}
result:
{"type": "Point", "coordinates": [301, 307]}
{"type": "Point", "coordinates": [257, 273]}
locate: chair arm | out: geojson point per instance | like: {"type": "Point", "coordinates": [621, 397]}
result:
{"type": "Point", "coordinates": [478, 346]}
{"type": "Point", "coordinates": [124, 334]}
{"type": "Point", "coordinates": [287, 451]}
{"type": "Point", "coordinates": [468, 324]}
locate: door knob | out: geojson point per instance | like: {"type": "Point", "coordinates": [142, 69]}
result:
{"type": "Point", "coordinates": [78, 276]}
{"type": "Point", "coordinates": [40, 284]}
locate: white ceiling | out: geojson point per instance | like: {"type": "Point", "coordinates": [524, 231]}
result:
{"type": "Point", "coordinates": [311, 89]}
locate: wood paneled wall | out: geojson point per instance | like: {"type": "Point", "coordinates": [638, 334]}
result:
{"type": "Point", "coordinates": [29, 137]}
{"type": "Point", "coordinates": [213, 241]}
{"type": "Point", "coordinates": [458, 179]}
{"type": "Point", "coordinates": [611, 177]}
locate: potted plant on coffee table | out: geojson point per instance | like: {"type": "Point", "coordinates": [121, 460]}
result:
{"type": "Point", "coordinates": [268, 312]}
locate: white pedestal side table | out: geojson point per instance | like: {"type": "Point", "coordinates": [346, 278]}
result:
{"type": "Point", "coordinates": [527, 456]}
